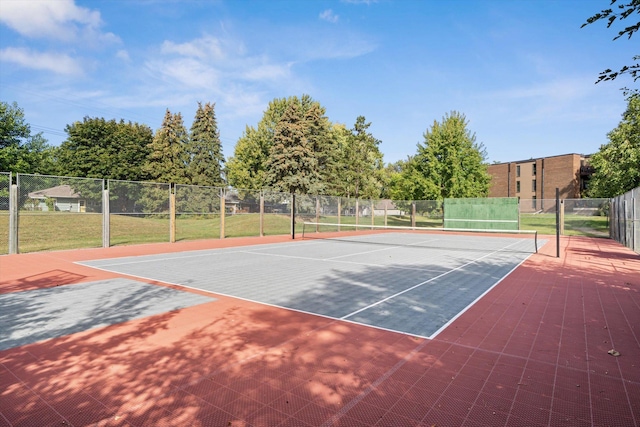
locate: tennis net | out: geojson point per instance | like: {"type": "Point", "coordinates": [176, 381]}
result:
{"type": "Point", "coordinates": [426, 237]}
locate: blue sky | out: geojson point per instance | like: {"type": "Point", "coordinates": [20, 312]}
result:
{"type": "Point", "coordinates": [522, 72]}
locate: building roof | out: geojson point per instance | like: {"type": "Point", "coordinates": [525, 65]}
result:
{"type": "Point", "coordinates": [60, 191]}
{"type": "Point", "coordinates": [533, 159]}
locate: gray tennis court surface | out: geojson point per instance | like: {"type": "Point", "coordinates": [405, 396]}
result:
{"type": "Point", "coordinates": [416, 287]}
{"type": "Point", "coordinates": [31, 316]}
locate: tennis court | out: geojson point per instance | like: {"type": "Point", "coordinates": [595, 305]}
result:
{"type": "Point", "coordinates": [404, 281]}
{"type": "Point", "coordinates": [98, 347]}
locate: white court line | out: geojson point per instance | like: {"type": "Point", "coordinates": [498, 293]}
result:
{"type": "Point", "coordinates": [368, 264]}
{"type": "Point", "coordinates": [425, 282]}
{"type": "Point", "coordinates": [391, 246]}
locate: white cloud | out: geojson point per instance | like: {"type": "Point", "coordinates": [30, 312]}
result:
{"type": "Point", "coordinates": [206, 48]}
{"type": "Point", "coordinates": [188, 72]}
{"type": "Point", "coordinates": [57, 19]}
{"type": "Point", "coordinates": [329, 16]}
{"type": "Point", "coordinates": [57, 63]}
{"type": "Point", "coordinates": [123, 55]}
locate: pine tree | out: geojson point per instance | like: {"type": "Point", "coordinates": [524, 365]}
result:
{"type": "Point", "coordinates": [167, 161]}
{"type": "Point", "coordinates": [206, 161]}
{"type": "Point", "coordinates": [292, 164]}
{"type": "Point", "coordinates": [247, 168]}
{"type": "Point", "coordinates": [361, 162]}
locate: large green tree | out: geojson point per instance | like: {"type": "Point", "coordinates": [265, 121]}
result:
{"type": "Point", "coordinates": [448, 164]}
{"type": "Point", "coordinates": [247, 167]}
{"type": "Point", "coordinates": [168, 157]}
{"type": "Point", "coordinates": [21, 151]}
{"type": "Point", "coordinates": [359, 162]}
{"type": "Point", "coordinates": [613, 15]}
{"type": "Point", "coordinates": [206, 161]}
{"type": "Point", "coordinates": [106, 149]}
{"type": "Point", "coordinates": [292, 166]}
{"type": "Point", "coordinates": [617, 163]}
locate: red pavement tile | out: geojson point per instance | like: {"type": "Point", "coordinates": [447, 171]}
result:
{"type": "Point", "coordinates": [533, 351]}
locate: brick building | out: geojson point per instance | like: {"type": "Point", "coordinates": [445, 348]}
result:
{"type": "Point", "coordinates": [536, 179]}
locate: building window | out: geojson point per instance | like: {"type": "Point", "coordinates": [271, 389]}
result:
{"type": "Point", "coordinates": [533, 169]}
{"type": "Point", "coordinates": [518, 185]}
{"type": "Point", "coordinates": [534, 203]}
{"type": "Point", "coordinates": [518, 171]}
{"type": "Point", "coordinates": [533, 185]}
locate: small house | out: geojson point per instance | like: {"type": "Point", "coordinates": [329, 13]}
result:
{"type": "Point", "coordinates": [62, 198]}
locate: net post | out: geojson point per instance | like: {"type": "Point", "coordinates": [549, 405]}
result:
{"type": "Point", "coordinates": [13, 217]}
{"type": "Point", "coordinates": [293, 216]}
{"type": "Point", "coordinates": [222, 212]}
{"type": "Point", "coordinates": [536, 240]}
{"type": "Point", "coordinates": [172, 213]}
{"type": "Point", "coordinates": [261, 214]}
{"type": "Point", "coordinates": [106, 215]}
{"type": "Point", "coordinates": [317, 215]}
{"type": "Point", "coordinates": [557, 222]}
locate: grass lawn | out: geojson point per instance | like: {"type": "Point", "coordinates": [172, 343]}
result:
{"type": "Point", "coordinates": [45, 231]}
{"type": "Point", "coordinates": [574, 225]}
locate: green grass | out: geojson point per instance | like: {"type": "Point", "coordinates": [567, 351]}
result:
{"type": "Point", "coordinates": [45, 231]}
{"type": "Point", "coordinates": [574, 225]}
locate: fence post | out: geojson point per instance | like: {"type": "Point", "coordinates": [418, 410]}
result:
{"type": "Point", "coordinates": [13, 218]}
{"type": "Point", "coordinates": [261, 214]}
{"type": "Point", "coordinates": [317, 213]}
{"type": "Point", "coordinates": [385, 213]}
{"type": "Point", "coordinates": [339, 211]}
{"type": "Point", "coordinates": [172, 213]}
{"type": "Point", "coordinates": [634, 225]}
{"type": "Point", "coordinates": [557, 222]}
{"type": "Point", "coordinates": [222, 212]}
{"type": "Point", "coordinates": [413, 214]}
{"type": "Point", "coordinates": [106, 217]}
{"type": "Point", "coordinates": [372, 213]}
{"type": "Point", "coordinates": [357, 212]}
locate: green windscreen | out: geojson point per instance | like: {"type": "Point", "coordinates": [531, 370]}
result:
{"type": "Point", "coordinates": [496, 213]}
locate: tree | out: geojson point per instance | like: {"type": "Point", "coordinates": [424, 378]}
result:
{"type": "Point", "coordinates": [20, 151]}
{"type": "Point", "coordinates": [292, 166]}
{"type": "Point", "coordinates": [360, 163]}
{"type": "Point", "coordinates": [105, 149]}
{"type": "Point", "coordinates": [206, 161]}
{"type": "Point", "coordinates": [449, 164]}
{"type": "Point", "coordinates": [617, 163]}
{"type": "Point", "coordinates": [167, 160]}
{"type": "Point", "coordinates": [621, 12]}
{"type": "Point", "coordinates": [247, 167]}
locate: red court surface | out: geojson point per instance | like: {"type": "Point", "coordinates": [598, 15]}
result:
{"type": "Point", "coordinates": [534, 351]}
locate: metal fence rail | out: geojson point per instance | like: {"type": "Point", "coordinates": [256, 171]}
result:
{"type": "Point", "coordinates": [58, 212]}
{"type": "Point", "coordinates": [625, 219]}
{"type": "Point", "coordinates": [5, 186]}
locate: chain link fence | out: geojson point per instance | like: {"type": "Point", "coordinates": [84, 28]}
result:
{"type": "Point", "coordinates": [578, 217]}
{"type": "Point", "coordinates": [59, 212]}
{"type": "Point", "coordinates": [5, 185]}
{"type": "Point", "coordinates": [138, 212]}
{"type": "Point", "coordinates": [67, 213]}
{"type": "Point", "coordinates": [625, 219]}
{"type": "Point", "coordinates": [197, 212]}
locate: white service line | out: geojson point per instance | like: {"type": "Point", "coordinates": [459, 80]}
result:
{"type": "Point", "coordinates": [424, 283]}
